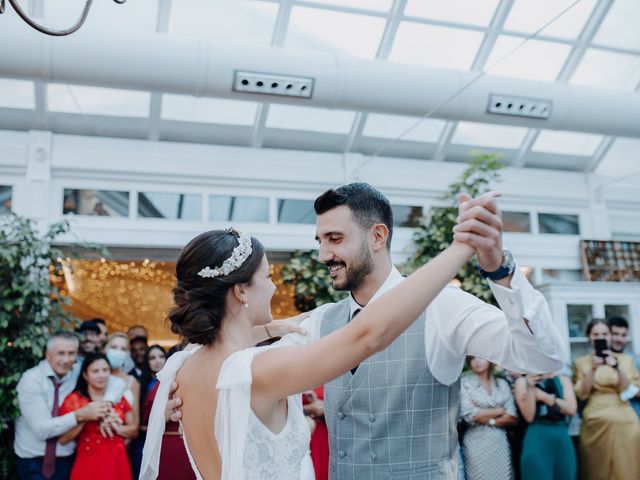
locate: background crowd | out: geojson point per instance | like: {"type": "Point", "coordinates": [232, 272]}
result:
{"type": "Point", "coordinates": [85, 407]}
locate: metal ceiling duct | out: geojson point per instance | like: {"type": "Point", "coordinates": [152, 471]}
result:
{"type": "Point", "coordinates": [194, 66]}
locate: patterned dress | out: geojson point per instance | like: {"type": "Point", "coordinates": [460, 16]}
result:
{"type": "Point", "coordinates": [485, 449]}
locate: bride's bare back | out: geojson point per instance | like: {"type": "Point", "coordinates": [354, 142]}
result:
{"type": "Point", "coordinates": [197, 381]}
{"type": "Point", "coordinates": [197, 387]}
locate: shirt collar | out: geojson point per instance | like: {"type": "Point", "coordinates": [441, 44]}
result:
{"type": "Point", "coordinates": [48, 372]}
{"type": "Point", "coordinates": [391, 281]}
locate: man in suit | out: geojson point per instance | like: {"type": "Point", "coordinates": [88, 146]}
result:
{"type": "Point", "coordinates": [395, 415]}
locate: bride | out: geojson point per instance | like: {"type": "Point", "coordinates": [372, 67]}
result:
{"type": "Point", "coordinates": [243, 419]}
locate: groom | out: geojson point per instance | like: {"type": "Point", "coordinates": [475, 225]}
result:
{"type": "Point", "coordinates": [395, 415]}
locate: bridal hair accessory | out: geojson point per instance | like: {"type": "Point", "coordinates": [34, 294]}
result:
{"type": "Point", "coordinates": [237, 258]}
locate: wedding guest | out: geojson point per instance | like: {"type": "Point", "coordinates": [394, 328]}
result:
{"type": "Point", "coordinates": [41, 391]}
{"type": "Point", "coordinates": [488, 408]}
{"type": "Point", "coordinates": [619, 335]}
{"type": "Point", "coordinates": [313, 404]}
{"type": "Point", "coordinates": [117, 352]}
{"type": "Point", "coordinates": [546, 403]}
{"type": "Point", "coordinates": [97, 458]}
{"type": "Point", "coordinates": [609, 432]}
{"type": "Point", "coordinates": [154, 359]}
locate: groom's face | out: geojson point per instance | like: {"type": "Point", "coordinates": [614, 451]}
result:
{"type": "Point", "coordinates": [344, 248]}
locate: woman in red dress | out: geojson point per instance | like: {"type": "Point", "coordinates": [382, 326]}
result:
{"type": "Point", "coordinates": [174, 462]}
{"type": "Point", "coordinates": [313, 402]}
{"type": "Point", "coordinates": [97, 457]}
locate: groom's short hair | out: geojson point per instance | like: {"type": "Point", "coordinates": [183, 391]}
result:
{"type": "Point", "coordinates": [367, 204]}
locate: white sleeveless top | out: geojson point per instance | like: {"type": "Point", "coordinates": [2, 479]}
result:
{"type": "Point", "coordinates": [248, 449]}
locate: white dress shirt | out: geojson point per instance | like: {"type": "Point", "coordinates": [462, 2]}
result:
{"type": "Point", "coordinates": [35, 399]}
{"type": "Point", "coordinates": [459, 324]}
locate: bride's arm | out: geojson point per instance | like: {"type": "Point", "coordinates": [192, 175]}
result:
{"type": "Point", "coordinates": [280, 372]}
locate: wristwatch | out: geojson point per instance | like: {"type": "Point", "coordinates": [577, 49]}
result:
{"type": "Point", "coordinates": [506, 268]}
{"type": "Point", "coordinates": [492, 422]}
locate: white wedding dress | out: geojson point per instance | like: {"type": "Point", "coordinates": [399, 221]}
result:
{"type": "Point", "coordinates": [248, 449]}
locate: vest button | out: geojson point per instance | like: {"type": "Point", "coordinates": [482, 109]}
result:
{"type": "Point", "coordinates": [373, 457]}
{"type": "Point", "coordinates": [342, 454]}
{"type": "Point", "coordinates": [372, 418]}
{"type": "Point", "coordinates": [341, 415]}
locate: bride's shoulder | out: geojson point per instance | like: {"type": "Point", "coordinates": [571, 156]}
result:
{"type": "Point", "coordinates": [236, 369]}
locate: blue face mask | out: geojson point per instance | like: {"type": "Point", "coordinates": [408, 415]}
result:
{"type": "Point", "coordinates": [117, 358]}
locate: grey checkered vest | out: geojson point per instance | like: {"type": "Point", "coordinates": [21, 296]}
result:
{"type": "Point", "coordinates": [391, 419]}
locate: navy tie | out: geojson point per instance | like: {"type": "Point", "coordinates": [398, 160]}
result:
{"type": "Point", "coordinates": [353, 370]}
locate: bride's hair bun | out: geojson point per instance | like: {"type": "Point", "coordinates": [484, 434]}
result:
{"type": "Point", "coordinates": [200, 302]}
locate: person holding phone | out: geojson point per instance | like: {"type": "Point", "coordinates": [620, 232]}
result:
{"type": "Point", "coordinates": [609, 431]}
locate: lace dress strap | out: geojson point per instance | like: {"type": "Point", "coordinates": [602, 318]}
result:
{"type": "Point", "coordinates": [234, 407]}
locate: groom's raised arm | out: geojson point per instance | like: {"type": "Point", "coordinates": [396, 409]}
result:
{"type": "Point", "coordinates": [522, 336]}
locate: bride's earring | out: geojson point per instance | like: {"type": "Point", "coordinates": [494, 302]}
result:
{"type": "Point", "coordinates": [246, 304]}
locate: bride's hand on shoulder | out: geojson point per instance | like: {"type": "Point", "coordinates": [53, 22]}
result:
{"type": "Point", "coordinates": [280, 328]}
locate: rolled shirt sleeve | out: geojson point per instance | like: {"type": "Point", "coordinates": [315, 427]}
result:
{"type": "Point", "coordinates": [37, 415]}
{"type": "Point", "coordinates": [521, 336]}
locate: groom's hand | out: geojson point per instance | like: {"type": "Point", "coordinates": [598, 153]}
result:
{"type": "Point", "coordinates": [479, 224]}
{"type": "Point", "coordinates": [172, 411]}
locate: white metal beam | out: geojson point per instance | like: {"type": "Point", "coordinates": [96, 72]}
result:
{"type": "Point", "coordinates": [277, 40]}
{"type": "Point", "coordinates": [384, 49]}
{"type": "Point", "coordinates": [573, 60]}
{"type": "Point", "coordinates": [479, 62]}
{"type": "Point", "coordinates": [155, 103]}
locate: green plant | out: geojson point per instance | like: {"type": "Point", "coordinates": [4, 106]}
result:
{"type": "Point", "coordinates": [435, 232]}
{"type": "Point", "coordinates": [30, 308]}
{"type": "Point", "coordinates": [311, 281]}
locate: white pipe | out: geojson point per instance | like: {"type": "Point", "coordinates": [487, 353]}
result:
{"type": "Point", "coordinates": [193, 66]}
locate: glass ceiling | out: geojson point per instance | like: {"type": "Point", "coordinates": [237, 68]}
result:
{"type": "Point", "coordinates": [592, 42]}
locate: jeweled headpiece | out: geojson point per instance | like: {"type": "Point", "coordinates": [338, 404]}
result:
{"type": "Point", "coordinates": [237, 258]}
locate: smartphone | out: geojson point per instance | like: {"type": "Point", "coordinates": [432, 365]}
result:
{"type": "Point", "coordinates": [600, 344]}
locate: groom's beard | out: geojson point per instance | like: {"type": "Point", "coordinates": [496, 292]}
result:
{"type": "Point", "coordinates": [358, 271]}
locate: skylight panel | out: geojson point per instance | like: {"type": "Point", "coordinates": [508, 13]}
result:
{"type": "Point", "coordinates": [17, 94]}
{"type": "Point", "coordinates": [208, 110]}
{"type": "Point", "coordinates": [392, 126]}
{"type": "Point", "coordinates": [247, 22]}
{"type": "Point", "coordinates": [378, 5]}
{"type": "Point", "coordinates": [620, 26]}
{"type": "Point", "coordinates": [621, 158]}
{"type": "Point", "coordinates": [600, 68]}
{"type": "Point", "coordinates": [527, 16]}
{"type": "Point", "coordinates": [473, 12]}
{"type": "Point", "coordinates": [567, 143]}
{"type": "Point", "coordinates": [484, 135]}
{"type": "Point", "coordinates": [97, 101]}
{"type": "Point", "coordinates": [435, 46]}
{"type": "Point", "coordinates": [310, 119]}
{"type": "Point", "coordinates": [138, 15]}
{"type": "Point", "coordinates": [346, 33]}
{"type": "Point", "coordinates": [534, 60]}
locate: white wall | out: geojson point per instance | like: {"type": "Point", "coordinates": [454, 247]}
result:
{"type": "Point", "coordinates": [39, 165]}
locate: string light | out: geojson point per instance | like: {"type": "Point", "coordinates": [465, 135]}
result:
{"type": "Point", "coordinates": [138, 293]}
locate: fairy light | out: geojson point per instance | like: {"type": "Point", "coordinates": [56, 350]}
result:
{"type": "Point", "coordinates": [138, 293]}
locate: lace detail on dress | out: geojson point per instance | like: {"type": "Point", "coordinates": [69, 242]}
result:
{"type": "Point", "coordinates": [268, 456]}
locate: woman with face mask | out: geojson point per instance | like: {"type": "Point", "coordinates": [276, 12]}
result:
{"type": "Point", "coordinates": [117, 352]}
{"type": "Point", "coordinates": [609, 431]}
{"type": "Point", "coordinates": [98, 457]}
